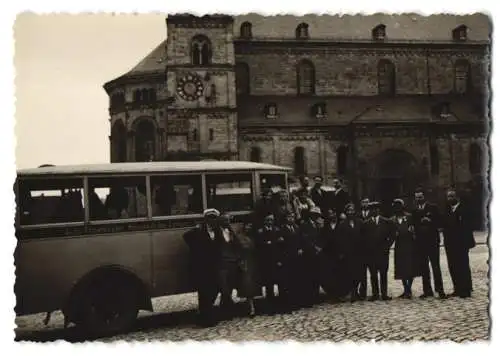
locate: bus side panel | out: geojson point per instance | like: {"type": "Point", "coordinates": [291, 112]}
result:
{"type": "Point", "coordinates": [47, 269]}
{"type": "Point", "coordinates": [170, 262]}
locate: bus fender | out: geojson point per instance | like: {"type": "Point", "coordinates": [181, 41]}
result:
{"type": "Point", "coordinates": [111, 272]}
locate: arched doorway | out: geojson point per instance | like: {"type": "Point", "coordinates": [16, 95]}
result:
{"type": "Point", "coordinates": [393, 174]}
{"type": "Point", "coordinates": [144, 141]}
{"type": "Point", "coordinates": [119, 142]}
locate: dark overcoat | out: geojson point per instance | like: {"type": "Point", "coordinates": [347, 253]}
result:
{"type": "Point", "coordinates": [406, 257]}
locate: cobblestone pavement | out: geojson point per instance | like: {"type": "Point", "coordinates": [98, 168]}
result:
{"type": "Point", "coordinates": [403, 320]}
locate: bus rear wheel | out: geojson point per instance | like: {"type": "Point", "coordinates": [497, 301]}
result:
{"type": "Point", "coordinates": [108, 307]}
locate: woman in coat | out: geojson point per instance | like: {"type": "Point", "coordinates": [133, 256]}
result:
{"type": "Point", "coordinates": [406, 260]}
{"type": "Point", "coordinates": [247, 285]}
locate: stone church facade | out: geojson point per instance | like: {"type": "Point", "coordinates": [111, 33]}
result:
{"type": "Point", "coordinates": [384, 103]}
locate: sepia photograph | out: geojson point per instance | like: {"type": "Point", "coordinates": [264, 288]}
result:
{"type": "Point", "coordinates": [245, 177]}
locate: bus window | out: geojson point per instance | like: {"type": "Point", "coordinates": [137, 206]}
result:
{"type": "Point", "coordinates": [268, 181]}
{"type": "Point", "coordinates": [117, 198]}
{"type": "Point", "coordinates": [230, 192]}
{"type": "Point", "coordinates": [48, 201]}
{"type": "Point", "coordinates": [176, 195]}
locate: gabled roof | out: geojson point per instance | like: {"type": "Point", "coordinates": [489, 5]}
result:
{"type": "Point", "coordinates": [153, 63]}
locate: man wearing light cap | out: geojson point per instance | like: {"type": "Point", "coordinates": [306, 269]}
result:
{"type": "Point", "coordinates": [204, 260]}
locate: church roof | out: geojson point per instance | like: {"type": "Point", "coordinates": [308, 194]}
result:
{"type": "Point", "coordinates": [297, 110]}
{"type": "Point", "coordinates": [359, 27]}
{"type": "Point", "coordinates": [405, 28]}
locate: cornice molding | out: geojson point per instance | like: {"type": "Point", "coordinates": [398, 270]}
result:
{"type": "Point", "coordinates": [374, 49]}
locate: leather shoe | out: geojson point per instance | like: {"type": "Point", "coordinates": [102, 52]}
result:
{"type": "Point", "coordinates": [373, 298]}
{"type": "Point", "coordinates": [385, 297]}
{"type": "Point", "coordinates": [426, 295]}
{"type": "Point", "coordinates": [442, 295]}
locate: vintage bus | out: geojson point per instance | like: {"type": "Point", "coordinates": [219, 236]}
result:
{"type": "Point", "coordinates": [99, 241]}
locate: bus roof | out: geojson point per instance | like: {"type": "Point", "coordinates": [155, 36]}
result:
{"type": "Point", "coordinates": [150, 167]}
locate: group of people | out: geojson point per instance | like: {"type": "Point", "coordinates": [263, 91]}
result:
{"type": "Point", "coordinates": [298, 243]}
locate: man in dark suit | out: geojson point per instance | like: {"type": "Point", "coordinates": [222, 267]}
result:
{"type": "Point", "coordinates": [458, 240]}
{"type": "Point", "coordinates": [204, 259]}
{"type": "Point", "coordinates": [364, 215]}
{"type": "Point", "coordinates": [271, 255]}
{"type": "Point", "coordinates": [319, 195]}
{"type": "Point", "coordinates": [311, 234]}
{"type": "Point", "coordinates": [340, 198]}
{"type": "Point", "coordinates": [426, 220]}
{"type": "Point", "coordinates": [378, 241]}
{"type": "Point", "coordinates": [351, 231]}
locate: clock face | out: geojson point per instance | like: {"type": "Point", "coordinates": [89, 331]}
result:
{"type": "Point", "coordinates": [190, 87]}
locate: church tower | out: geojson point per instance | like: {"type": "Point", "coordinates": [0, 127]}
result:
{"type": "Point", "coordinates": [201, 118]}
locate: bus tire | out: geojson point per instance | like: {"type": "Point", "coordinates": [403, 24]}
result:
{"type": "Point", "coordinates": [108, 305]}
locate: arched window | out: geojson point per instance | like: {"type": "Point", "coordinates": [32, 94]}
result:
{"type": "Point", "coordinates": [299, 161]}
{"type": "Point", "coordinates": [242, 78]}
{"type": "Point", "coordinates": [434, 153]}
{"type": "Point", "coordinates": [305, 77]}
{"type": "Point", "coordinates": [255, 154]}
{"type": "Point", "coordinates": [144, 141]}
{"type": "Point", "coordinates": [201, 50]}
{"type": "Point", "coordinates": [118, 142]}
{"type": "Point", "coordinates": [462, 76]}
{"type": "Point", "coordinates": [475, 159]}
{"type": "Point", "coordinates": [378, 32]}
{"type": "Point", "coordinates": [386, 77]}
{"type": "Point", "coordinates": [246, 30]}
{"type": "Point", "coordinates": [302, 31]}
{"type": "Point", "coordinates": [342, 152]}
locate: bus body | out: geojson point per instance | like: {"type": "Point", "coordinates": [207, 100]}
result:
{"type": "Point", "coordinates": [78, 226]}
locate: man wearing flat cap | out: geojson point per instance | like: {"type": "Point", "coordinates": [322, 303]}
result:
{"type": "Point", "coordinates": [204, 260]}
{"type": "Point", "coordinates": [319, 195]}
{"type": "Point", "coordinates": [378, 241]}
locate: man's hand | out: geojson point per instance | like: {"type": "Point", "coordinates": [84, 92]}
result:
{"type": "Point", "coordinates": [300, 252]}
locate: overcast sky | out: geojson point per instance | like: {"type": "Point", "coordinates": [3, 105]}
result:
{"type": "Point", "coordinates": [61, 63]}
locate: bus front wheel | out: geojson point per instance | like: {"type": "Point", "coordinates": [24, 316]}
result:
{"type": "Point", "coordinates": [108, 307]}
